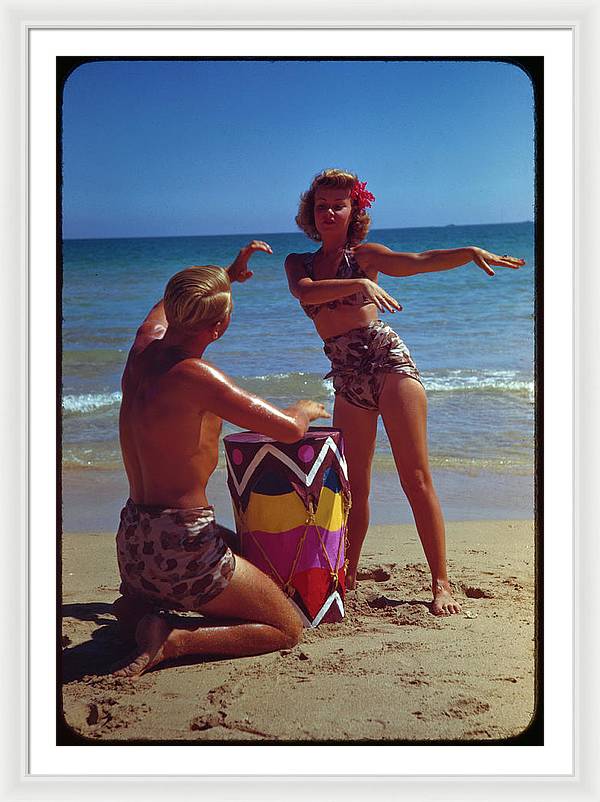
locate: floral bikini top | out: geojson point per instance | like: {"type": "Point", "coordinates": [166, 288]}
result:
{"type": "Point", "coordinates": [348, 268]}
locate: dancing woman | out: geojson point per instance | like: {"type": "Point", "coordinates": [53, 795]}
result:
{"type": "Point", "coordinates": [372, 370]}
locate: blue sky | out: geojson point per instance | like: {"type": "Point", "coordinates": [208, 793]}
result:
{"type": "Point", "coordinates": [167, 148]}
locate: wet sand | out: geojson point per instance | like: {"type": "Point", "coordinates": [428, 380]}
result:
{"type": "Point", "coordinates": [390, 672]}
{"type": "Point", "coordinates": [476, 495]}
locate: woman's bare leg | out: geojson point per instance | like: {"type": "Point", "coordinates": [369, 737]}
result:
{"type": "Point", "coordinates": [259, 619]}
{"type": "Point", "coordinates": [403, 406]}
{"type": "Point", "coordinates": [359, 428]}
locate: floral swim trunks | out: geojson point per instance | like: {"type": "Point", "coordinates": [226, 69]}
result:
{"type": "Point", "coordinates": [361, 359]}
{"type": "Point", "coordinates": [174, 559]}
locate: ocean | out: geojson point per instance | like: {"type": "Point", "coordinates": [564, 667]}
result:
{"type": "Point", "coordinates": [472, 337]}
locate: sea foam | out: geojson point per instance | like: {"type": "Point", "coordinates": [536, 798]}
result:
{"type": "Point", "coordinates": [90, 402]}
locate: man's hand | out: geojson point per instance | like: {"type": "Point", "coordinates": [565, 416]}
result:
{"type": "Point", "coordinates": [238, 269]}
{"type": "Point", "coordinates": [312, 409]}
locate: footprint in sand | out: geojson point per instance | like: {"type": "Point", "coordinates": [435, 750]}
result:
{"type": "Point", "coordinates": [465, 708]}
{"type": "Point", "coordinates": [476, 593]}
{"type": "Point", "coordinates": [377, 602]}
{"type": "Point", "coordinates": [208, 721]}
{"type": "Point", "coordinates": [374, 574]}
{"type": "Point", "coordinates": [85, 715]}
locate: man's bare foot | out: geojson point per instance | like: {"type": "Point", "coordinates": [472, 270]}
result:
{"type": "Point", "coordinates": [151, 636]}
{"type": "Point", "coordinates": [443, 602]}
{"type": "Point", "coordinates": [350, 581]}
{"type": "Point", "coordinates": [129, 612]}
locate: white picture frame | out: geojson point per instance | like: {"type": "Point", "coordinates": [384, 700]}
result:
{"type": "Point", "coordinates": [18, 20]}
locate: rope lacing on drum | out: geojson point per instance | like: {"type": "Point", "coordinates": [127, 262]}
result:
{"type": "Point", "coordinates": [333, 570]}
{"type": "Point", "coordinates": [346, 506]}
{"type": "Point", "coordinates": [311, 520]}
{"type": "Point", "coordinates": [286, 585]}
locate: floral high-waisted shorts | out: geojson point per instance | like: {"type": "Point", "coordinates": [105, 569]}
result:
{"type": "Point", "coordinates": [174, 559]}
{"type": "Point", "coordinates": [361, 359]}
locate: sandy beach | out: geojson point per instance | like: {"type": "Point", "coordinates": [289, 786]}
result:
{"type": "Point", "coordinates": [390, 672]}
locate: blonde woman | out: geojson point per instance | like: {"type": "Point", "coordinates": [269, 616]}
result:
{"type": "Point", "coordinates": [372, 370]}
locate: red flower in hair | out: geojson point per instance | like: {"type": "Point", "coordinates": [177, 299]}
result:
{"type": "Point", "coordinates": [361, 195]}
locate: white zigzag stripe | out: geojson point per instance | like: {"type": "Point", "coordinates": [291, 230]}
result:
{"type": "Point", "coordinates": [308, 624]}
{"type": "Point", "coordinates": [270, 449]}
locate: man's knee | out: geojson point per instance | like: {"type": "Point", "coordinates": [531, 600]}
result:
{"type": "Point", "coordinates": [292, 630]}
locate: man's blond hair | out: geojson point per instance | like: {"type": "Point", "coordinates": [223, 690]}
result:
{"type": "Point", "coordinates": [197, 297]}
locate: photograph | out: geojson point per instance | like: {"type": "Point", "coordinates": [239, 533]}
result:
{"type": "Point", "coordinates": [300, 430]}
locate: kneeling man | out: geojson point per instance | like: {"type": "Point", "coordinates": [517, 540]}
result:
{"type": "Point", "coordinates": [172, 554]}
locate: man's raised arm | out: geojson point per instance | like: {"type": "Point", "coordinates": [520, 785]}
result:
{"type": "Point", "coordinates": [153, 327]}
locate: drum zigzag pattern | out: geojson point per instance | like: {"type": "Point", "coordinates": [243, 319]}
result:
{"type": "Point", "coordinates": [335, 598]}
{"type": "Point", "coordinates": [268, 448]}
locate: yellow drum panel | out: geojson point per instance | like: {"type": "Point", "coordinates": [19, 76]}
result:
{"type": "Point", "coordinates": [284, 512]}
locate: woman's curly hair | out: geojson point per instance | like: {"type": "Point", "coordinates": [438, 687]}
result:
{"type": "Point", "coordinates": [305, 219]}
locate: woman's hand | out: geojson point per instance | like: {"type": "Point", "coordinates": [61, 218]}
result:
{"type": "Point", "coordinates": [484, 259]}
{"type": "Point", "coordinates": [238, 269]}
{"type": "Point", "coordinates": [377, 295]}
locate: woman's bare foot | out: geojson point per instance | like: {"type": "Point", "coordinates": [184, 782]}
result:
{"type": "Point", "coordinates": [443, 602]}
{"type": "Point", "coordinates": [151, 636]}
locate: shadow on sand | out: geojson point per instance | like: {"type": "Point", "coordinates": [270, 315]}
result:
{"type": "Point", "coordinates": [107, 649]}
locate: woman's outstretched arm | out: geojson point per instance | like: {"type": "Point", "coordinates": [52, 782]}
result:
{"type": "Point", "coordinates": [374, 256]}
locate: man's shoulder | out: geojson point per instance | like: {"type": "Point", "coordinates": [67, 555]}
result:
{"type": "Point", "coordinates": [200, 376]}
{"type": "Point", "coordinates": [202, 383]}
{"type": "Point", "coordinates": [197, 369]}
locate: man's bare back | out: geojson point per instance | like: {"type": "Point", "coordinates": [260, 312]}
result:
{"type": "Point", "coordinates": [169, 443]}
{"type": "Point", "coordinates": [169, 422]}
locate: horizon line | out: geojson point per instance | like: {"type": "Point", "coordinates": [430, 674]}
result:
{"type": "Point", "coordinates": [278, 233]}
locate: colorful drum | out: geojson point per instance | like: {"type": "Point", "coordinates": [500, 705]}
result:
{"type": "Point", "coordinates": [291, 503]}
